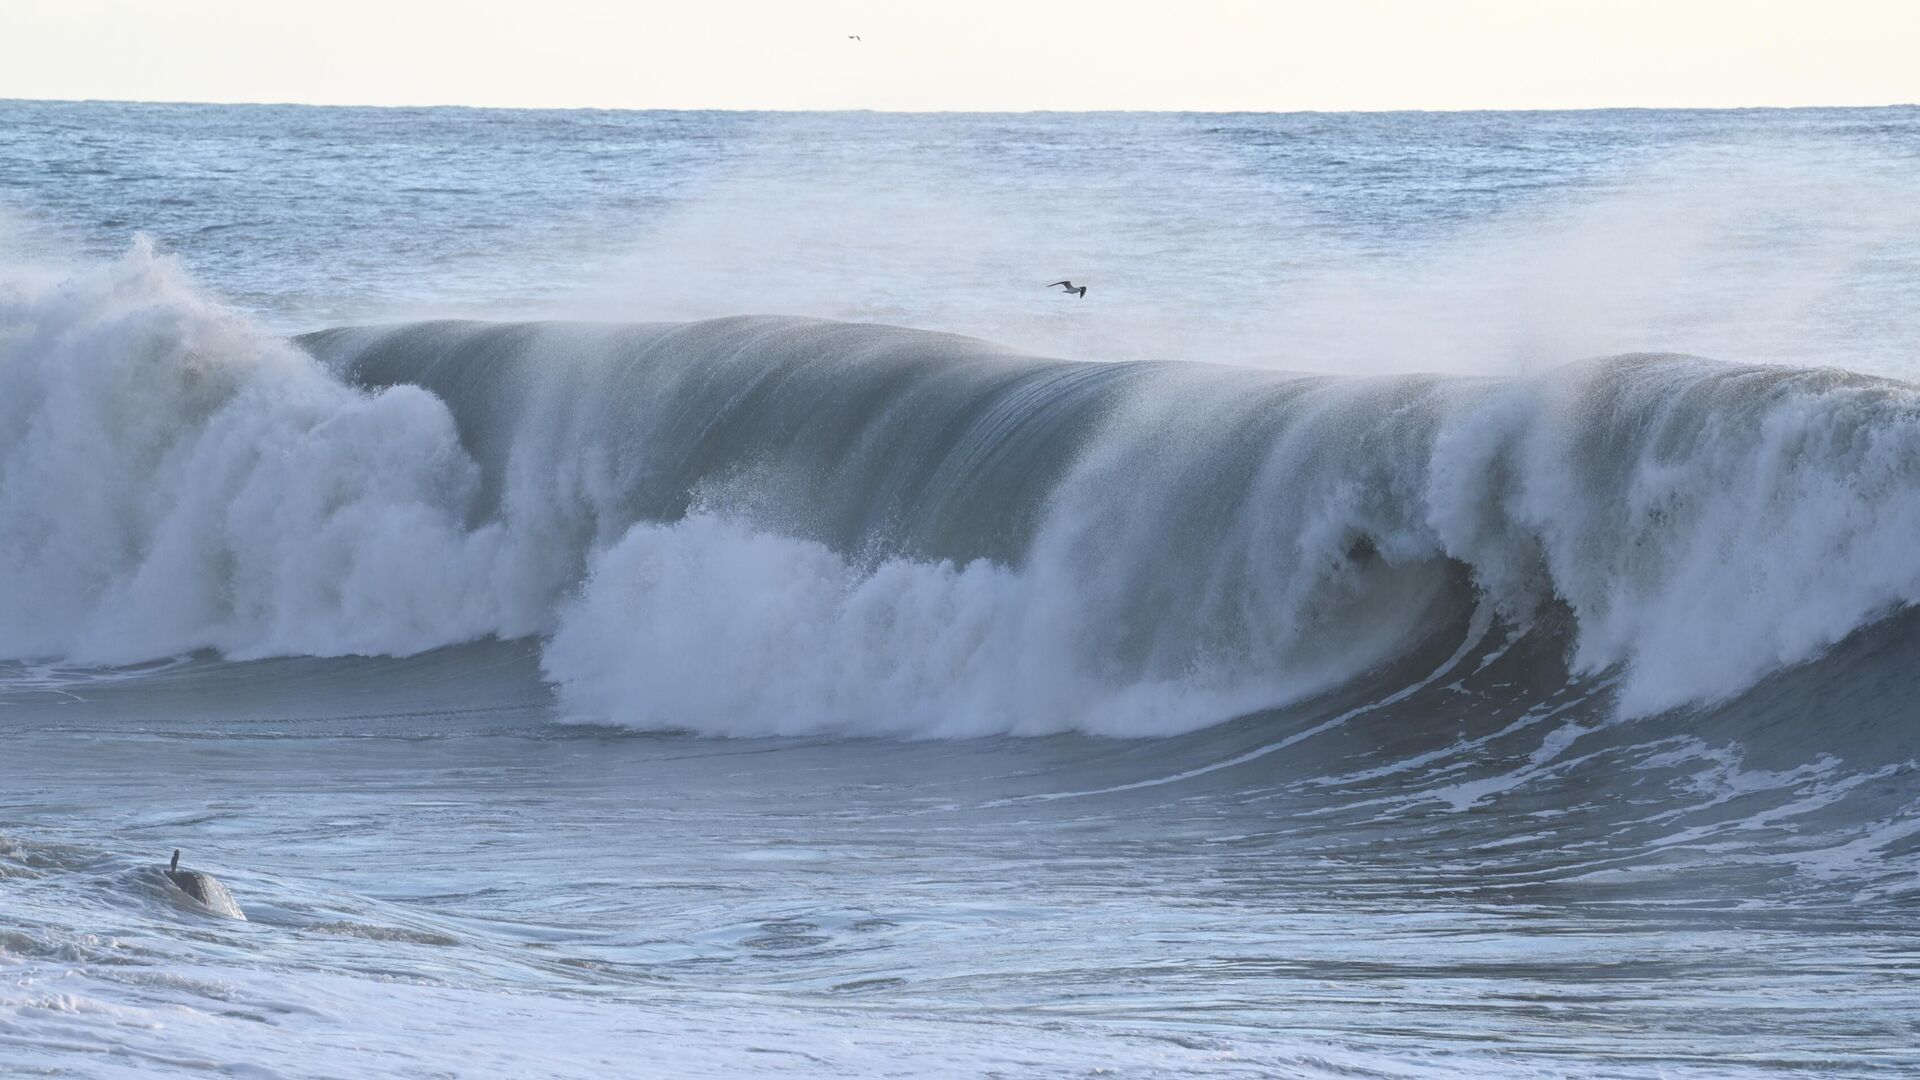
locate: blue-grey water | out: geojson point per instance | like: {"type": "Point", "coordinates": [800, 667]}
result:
{"type": "Point", "coordinates": [675, 594]}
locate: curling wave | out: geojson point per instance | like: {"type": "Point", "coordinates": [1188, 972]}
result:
{"type": "Point", "coordinates": [759, 524]}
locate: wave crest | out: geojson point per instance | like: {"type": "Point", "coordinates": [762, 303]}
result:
{"type": "Point", "coordinates": [754, 525]}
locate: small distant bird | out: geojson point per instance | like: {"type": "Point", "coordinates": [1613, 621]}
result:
{"type": "Point", "coordinates": [1081, 291]}
{"type": "Point", "coordinates": [853, 37]}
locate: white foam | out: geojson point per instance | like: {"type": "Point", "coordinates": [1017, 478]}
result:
{"type": "Point", "coordinates": [710, 626]}
{"type": "Point", "coordinates": [173, 479]}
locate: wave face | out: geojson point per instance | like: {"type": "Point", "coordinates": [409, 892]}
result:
{"type": "Point", "coordinates": [755, 524]}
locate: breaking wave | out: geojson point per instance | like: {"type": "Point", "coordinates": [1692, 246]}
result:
{"type": "Point", "coordinates": [757, 524]}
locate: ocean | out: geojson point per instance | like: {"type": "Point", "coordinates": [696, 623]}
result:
{"type": "Point", "coordinates": [677, 593]}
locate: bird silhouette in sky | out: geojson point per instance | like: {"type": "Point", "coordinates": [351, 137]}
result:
{"type": "Point", "coordinates": [1080, 291]}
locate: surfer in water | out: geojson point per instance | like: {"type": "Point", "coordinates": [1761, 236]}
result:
{"type": "Point", "coordinates": [204, 889]}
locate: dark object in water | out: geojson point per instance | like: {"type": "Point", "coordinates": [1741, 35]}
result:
{"type": "Point", "coordinates": [204, 889]}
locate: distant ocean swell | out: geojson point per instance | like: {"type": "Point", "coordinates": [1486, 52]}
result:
{"type": "Point", "coordinates": [764, 524]}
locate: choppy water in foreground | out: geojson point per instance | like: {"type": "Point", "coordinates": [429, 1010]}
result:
{"type": "Point", "coordinates": [645, 696]}
{"type": "Point", "coordinates": [1466, 882]}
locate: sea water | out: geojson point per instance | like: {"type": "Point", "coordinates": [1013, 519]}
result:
{"type": "Point", "coordinates": [677, 594]}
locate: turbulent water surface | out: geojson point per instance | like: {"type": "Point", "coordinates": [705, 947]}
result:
{"type": "Point", "coordinates": [627, 593]}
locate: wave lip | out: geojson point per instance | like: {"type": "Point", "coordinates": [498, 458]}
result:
{"type": "Point", "coordinates": [757, 524]}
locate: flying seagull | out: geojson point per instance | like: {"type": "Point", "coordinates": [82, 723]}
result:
{"type": "Point", "coordinates": [1081, 291]}
{"type": "Point", "coordinates": [853, 37]}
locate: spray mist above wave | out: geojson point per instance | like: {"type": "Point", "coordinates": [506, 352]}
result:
{"type": "Point", "coordinates": [758, 525]}
{"type": "Point", "coordinates": [1739, 247]}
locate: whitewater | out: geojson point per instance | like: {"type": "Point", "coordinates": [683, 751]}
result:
{"type": "Point", "coordinates": [638, 593]}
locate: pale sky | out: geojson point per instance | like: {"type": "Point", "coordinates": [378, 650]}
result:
{"type": "Point", "coordinates": [985, 54]}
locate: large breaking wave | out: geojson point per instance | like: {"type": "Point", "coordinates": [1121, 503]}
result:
{"type": "Point", "coordinates": [760, 524]}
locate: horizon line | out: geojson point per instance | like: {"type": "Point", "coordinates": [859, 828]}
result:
{"type": "Point", "coordinates": [236, 103]}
